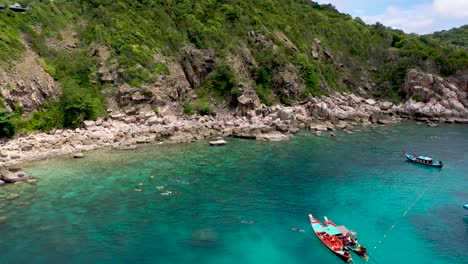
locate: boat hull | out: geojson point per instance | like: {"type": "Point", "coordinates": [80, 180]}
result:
{"type": "Point", "coordinates": [412, 158]}
{"type": "Point", "coordinates": [465, 206]}
{"type": "Point", "coordinates": [356, 247]}
{"type": "Point", "coordinates": [331, 242]}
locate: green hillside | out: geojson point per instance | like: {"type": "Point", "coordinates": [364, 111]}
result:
{"type": "Point", "coordinates": [455, 36]}
{"type": "Point", "coordinates": [352, 54]}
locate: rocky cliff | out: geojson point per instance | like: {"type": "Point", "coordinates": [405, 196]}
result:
{"type": "Point", "coordinates": [433, 97]}
{"type": "Point", "coordinates": [27, 85]}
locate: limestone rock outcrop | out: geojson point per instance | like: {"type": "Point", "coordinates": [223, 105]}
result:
{"type": "Point", "coordinates": [431, 96]}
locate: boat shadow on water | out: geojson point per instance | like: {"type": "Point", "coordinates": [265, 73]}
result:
{"type": "Point", "coordinates": [419, 165]}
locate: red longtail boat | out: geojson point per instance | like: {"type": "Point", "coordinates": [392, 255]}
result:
{"type": "Point", "coordinates": [328, 237]}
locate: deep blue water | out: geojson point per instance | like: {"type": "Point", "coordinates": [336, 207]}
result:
{"type": "Point", "coordinates": [87, 210]}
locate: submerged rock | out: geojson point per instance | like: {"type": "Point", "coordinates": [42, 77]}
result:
{"type": "Point", "coordinates": [12, 196]}
{"type": "Point", "coordinates": [205, 237]}
{"type": "Point", "coordinates": [129, 147]}
{"type": "Point", "coordinates": [32, 181]}
{"type": "Point", "coordinates": [274, 137]}
{"type": "Point", "coordinates": [8, 176]}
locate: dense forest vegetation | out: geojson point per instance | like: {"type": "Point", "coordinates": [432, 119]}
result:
{"type": "Point", "coordinates": [136, 30]}
{"type": "Point", "coordinates": [456, 36]}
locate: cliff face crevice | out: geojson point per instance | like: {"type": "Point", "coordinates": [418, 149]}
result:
{"type": "Point", "coordinates": [197, 64]}
{"type": "Point", "coordinates": [288, 83]}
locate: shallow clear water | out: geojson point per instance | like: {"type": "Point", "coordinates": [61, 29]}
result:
{"type": "Point", "coordinates": [87, 210]}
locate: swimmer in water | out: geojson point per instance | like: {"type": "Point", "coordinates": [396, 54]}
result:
{"type": "Point", "coordinates": [297, 229]}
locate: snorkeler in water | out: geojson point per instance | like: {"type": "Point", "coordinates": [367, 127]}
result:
{"type": "Point", "coordinates": [297, 229]}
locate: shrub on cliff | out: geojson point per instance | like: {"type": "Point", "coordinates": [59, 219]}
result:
{"type": "Point", "coordinates": [80, 103]}
{"type": "Point", "coordinates": [7, 124]}
{"type": "Point", "coordinates": [188, 108]}
{"type": "Point", "coordinates": [418, 97]}
{"type": "Point", "coordinates": [49, 117]}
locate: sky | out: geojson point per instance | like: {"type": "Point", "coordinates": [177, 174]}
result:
{"type": "Point", "coordinates": [411, 16]}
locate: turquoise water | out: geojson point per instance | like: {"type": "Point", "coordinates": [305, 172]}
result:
{"type": "Point", "coordinates": [87, 210]}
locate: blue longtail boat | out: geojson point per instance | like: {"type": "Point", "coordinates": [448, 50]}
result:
{"type": "Point", "coordinates": [424, 160]}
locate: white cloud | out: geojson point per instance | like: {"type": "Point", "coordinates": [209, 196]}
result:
{"type": "Point", "coordinates": [418, 19]}
{"type": "Point", "coordinates": [426, 17]}
{"type": "Point", "coordinates": [451, 8]}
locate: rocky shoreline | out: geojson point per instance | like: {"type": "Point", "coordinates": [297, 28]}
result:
{"type": "Point", "coordinates": [127, 129]}
{"type": "Point", "coordinates": [124, 131]}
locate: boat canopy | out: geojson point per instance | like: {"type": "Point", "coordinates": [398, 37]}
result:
{"type": "Point", "coordinates": [331, 230]}
{"type": "Point", "coordinates": [424, 158]}
{"type": "Point", "coordinates": [343, 229]}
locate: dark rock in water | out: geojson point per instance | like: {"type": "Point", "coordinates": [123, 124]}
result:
{"type": "Point", "coordinates": [244, 136]}
{"type": "Point", "coordinates": [461, 121]}
{"type": "Point", "coordinates": [205, 237]}
{"type": "Point", "coordinates": [421, 119]}
{"type": "Point", "coordinates": [78, 155]}
{"type": "Point", "coordinates": [21, 174]}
